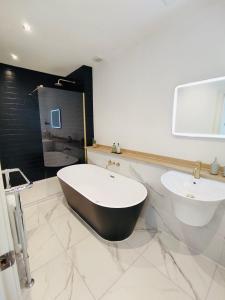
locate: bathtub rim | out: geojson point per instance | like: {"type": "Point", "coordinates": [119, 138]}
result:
{"type": "Point", "coordinates": [111, 172]}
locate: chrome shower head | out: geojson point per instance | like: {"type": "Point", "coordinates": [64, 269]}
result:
{"type": "Point", "coordinates": [59, 82]}
{"type": "Point", "coordinates": [36, 89]}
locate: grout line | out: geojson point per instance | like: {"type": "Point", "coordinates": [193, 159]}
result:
{"type": "Point", "coordinates": [66, 249]}
{"type": "Point", "coordinates": [81, 276]}
{"type": "Point", "coordinates": [86, 225]}
{"type": "Point", "coordinates": [48, 262]}
{"type": "Point", "coordinates": [38, 201]}
{"type": "Point", "coordinates": [51, 259]}
{"type": "Point", "coordinates": [52, 228]}
{"type": "Point", "coordinates": [121, 275]}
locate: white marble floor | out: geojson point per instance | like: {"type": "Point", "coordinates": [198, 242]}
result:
{"type": "Point", "coordinates": [70, 262]}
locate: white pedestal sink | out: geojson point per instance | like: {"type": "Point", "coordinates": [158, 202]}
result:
{"type": "Point", "coordinates": [195, 200]}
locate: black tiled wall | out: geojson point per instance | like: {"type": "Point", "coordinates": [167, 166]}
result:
{"type": "Point", "coordinates": [83, 78]}
{"type": "Point", "coordinates": [20, 132]}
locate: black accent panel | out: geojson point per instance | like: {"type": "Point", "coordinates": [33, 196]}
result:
{"type": "Point", "coordinates": [83, 78]}
{"type": "Point", "coordinates": [20, 132]}
{"type": "Point", "coordinates": [112, 224]}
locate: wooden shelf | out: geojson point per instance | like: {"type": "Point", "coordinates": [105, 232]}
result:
{"type": "Point", "coordinates": [164, 161]}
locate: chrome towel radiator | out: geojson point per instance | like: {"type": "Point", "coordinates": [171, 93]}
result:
{"type": "Point", "coordinates": [17, 220]}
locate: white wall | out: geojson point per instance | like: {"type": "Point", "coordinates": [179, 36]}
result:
{"type": "Point", "coordinates": [133, 93]}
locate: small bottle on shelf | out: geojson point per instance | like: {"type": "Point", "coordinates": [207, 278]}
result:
{"type": "Point", "coordinates": [118, 150]}
{"type": "Point", "coordinates": [214, 168]}
{"type": "Point", "coordinates": [114, 148]}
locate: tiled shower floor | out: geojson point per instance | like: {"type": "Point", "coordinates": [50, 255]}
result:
{"type": "Point", "coordinates": [70, 262]}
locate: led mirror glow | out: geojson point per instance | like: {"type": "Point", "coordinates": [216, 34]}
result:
{"type": "Point", "coordinates": [55, 118]}
{"type": "Point", "coordinates": [199, 109]}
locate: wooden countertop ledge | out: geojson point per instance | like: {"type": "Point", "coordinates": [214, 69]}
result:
{"type": "Point", "coordinates": [164, 161]}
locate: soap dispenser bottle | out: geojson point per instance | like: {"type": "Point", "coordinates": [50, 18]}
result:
{"type": "Point", "coordinates": [214, 168]}
{"type": "Point", "coordinates": [118, 151]}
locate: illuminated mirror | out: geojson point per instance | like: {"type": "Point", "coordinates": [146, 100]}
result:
{"type": "Point", "coordinates": [56, 118]}
{"type": "Point", "coordinates": [199, 109]}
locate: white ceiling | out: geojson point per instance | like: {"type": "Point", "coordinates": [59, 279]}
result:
{"type": "Point", "coordinates": [69, 33]}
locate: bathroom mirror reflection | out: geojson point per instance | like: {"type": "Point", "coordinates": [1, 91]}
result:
{"type": "Point", "coordinates": [199, 109]}
{"type": "Point", "coordinates": [55, 118]}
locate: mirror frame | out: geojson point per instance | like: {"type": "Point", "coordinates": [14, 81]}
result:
{"type": "Point", "coordinates": [176, 133]}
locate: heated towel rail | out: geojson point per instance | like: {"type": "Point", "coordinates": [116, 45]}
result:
{"type": "Point", "coordinates": [16, 218]}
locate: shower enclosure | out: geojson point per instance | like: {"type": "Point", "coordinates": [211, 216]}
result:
{"type": "Point", "coordinates": [63, 128]}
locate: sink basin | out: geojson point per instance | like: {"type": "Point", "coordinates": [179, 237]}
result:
{"type": "Point", "coordinates": [194, 200]}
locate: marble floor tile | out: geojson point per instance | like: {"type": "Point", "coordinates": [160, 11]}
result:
{"type": "Point", "coordinates": [70, 262]}
{"type": "Point", "coordinates": [101, 263]}
{"type": "Point", "coordinates": [217, 289]}
{"type": "Point", "coordinates": [33, 217]}
{"type": "Point", "coordinates": [143, 281]}
{"type": "Point", "coordinates": [41, 189]}
{"type": "Point", "coordinates": [53, 208]}
{"type": "Point", "coordinates": [192, 273]}
{"type": "Point", "coordinates": [121, 253]}
{"type": "Point", "coordinates": [206, 244]}
{"type": "Point", "coordinates": [43, 246]}
{"type": "Point", "coordinates": [57, 280]}
{"type": "Point", "coordinates": [69, 230]}
{"type": "Point", "coordinates": [140, 239]}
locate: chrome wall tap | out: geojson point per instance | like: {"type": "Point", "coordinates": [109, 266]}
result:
{"type": "Point", "coordinates": [112, 163]}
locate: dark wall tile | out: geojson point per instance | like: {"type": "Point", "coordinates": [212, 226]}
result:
{"type": "Point", "coordinates": [20, 132]}
{"type": "Point", "coordinates": [83, 78]}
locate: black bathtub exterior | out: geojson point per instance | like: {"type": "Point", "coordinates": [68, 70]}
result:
{"type": "Point", "coordinates": [112, 224]}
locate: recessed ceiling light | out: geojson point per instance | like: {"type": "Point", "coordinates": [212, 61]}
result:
{"type": "Point", "coordinates": [26, 27]}
{"type": "Point", "coordinates": [14, 56]}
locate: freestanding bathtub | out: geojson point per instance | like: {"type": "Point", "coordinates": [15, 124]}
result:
{"type": "Point", "coordinates": [110, 203]}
